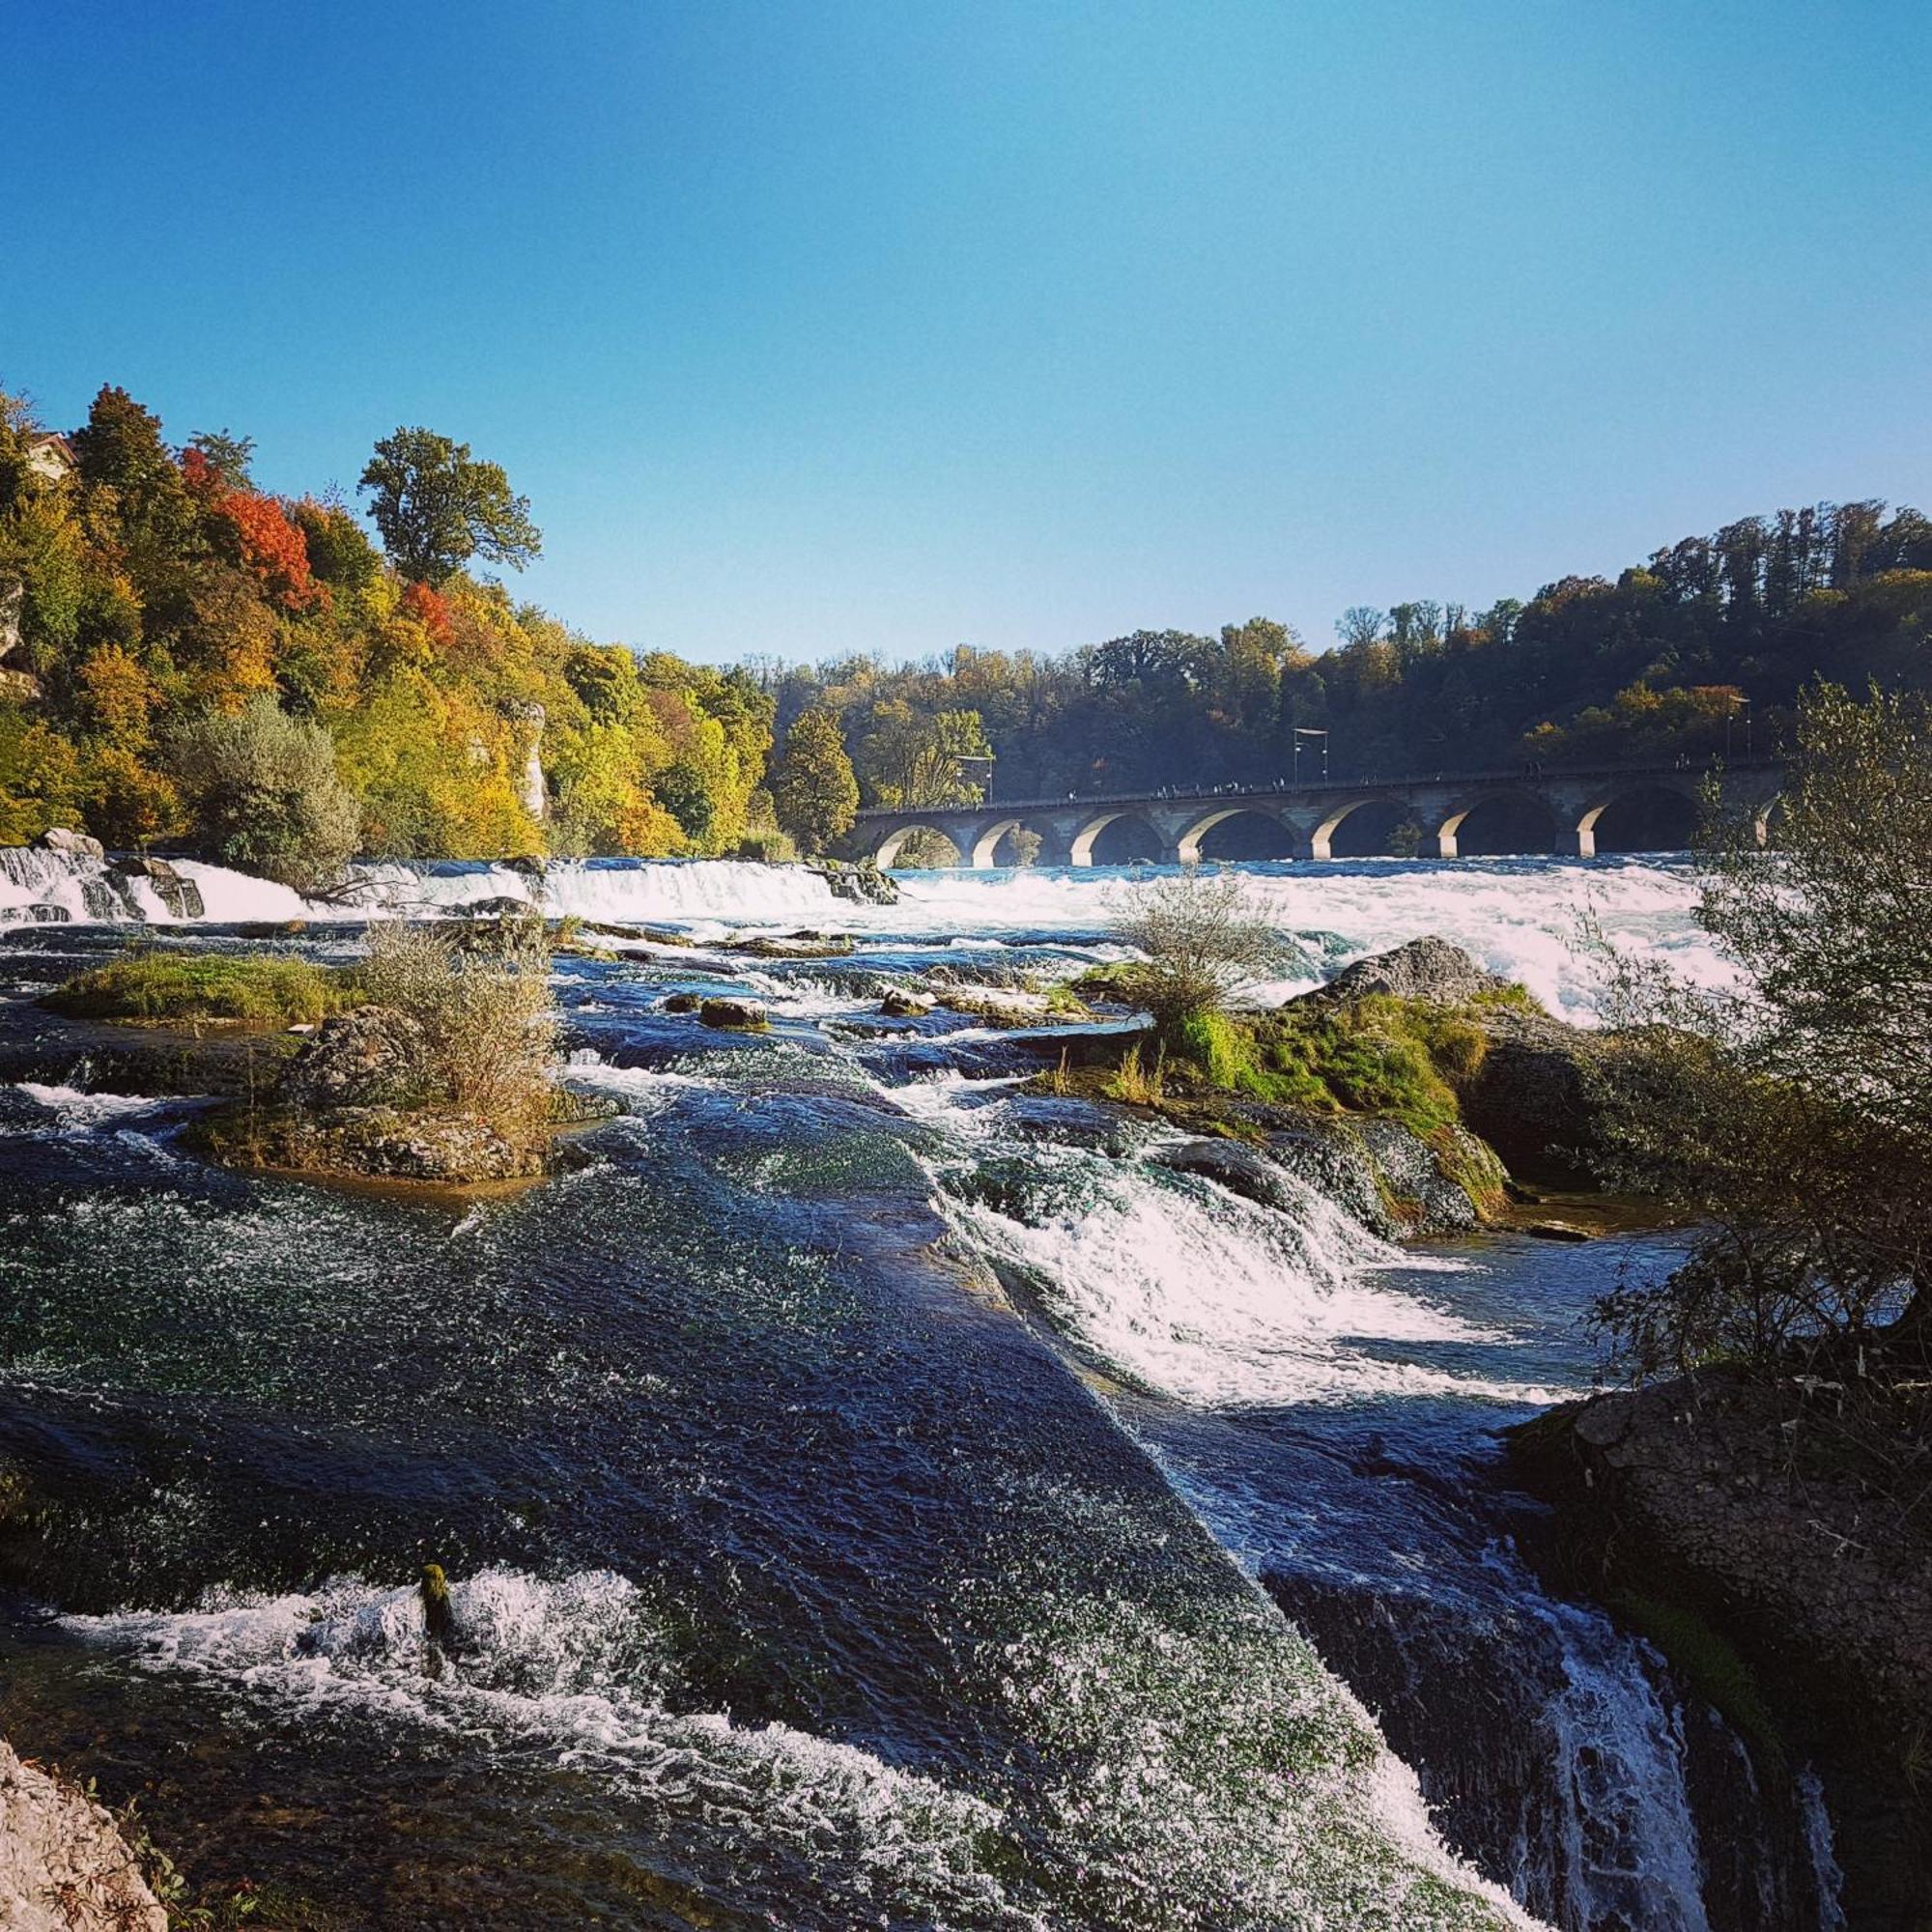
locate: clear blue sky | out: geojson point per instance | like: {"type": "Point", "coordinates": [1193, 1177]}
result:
{"type": "Point", "coordinates": [831, 327]}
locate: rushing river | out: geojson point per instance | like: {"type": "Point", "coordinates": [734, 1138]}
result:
{"type": "Point", "coordinates": [800, 1575]}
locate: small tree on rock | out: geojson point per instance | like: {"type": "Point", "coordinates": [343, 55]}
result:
{"type": "Point", "coordinates": [1203, 938]}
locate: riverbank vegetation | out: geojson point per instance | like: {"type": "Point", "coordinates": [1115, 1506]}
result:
{"type": "Point", "coordinates": [1791, 1113]}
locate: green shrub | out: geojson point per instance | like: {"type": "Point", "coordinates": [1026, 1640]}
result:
{"type": "Point", "coordinates": [769, 847]}
{"type": "Point", "coordinates": [261, 989]}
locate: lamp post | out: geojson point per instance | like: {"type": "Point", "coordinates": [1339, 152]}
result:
{"type": "Point", "coordinates": [1302, 732]}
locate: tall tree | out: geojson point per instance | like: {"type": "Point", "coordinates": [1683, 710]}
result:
{"type": "Point", "coordinates": [813, 788]}
{"type": "Point", "coordinates": [437, 507]}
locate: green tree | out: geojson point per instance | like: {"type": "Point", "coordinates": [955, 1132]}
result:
{"type": "Point", "coordinates": [265, 796]}
{"type": "Point", "coordinates": [437, 507]}
{"type": "Point", "coordinates": [227, 456]}
{"type": "Point", "coordinates": [1791, 1114]}
{"type": "Point", "coordinates": [814, 790]}
{"type": "Point", "coordinates": [910, 757]}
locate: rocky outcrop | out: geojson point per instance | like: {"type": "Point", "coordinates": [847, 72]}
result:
{"type": "Point", "coordinates": [178, 892]}
{"type": "Point", "coordinates": [381, 1142]}
{"type": "Point", "coordinates": [1720, 1504]}
{"type": "Point", "coordinates": [1428, 969]}
{"type": "Point", "coordinates": [369, 1057]}
{"type": "Point", "coordinates": [1532, 1097]}
{"type": "Point", "coordinates": [734, 1015]}
{"type": "Point", "coordinates": [64, 1864]}
{"type": "Point", "coordinates": [794, 945]}
{"type": "Point", "coordinates": [863, 884]}
{"type": "Point", "coordinates": [901, 1005]}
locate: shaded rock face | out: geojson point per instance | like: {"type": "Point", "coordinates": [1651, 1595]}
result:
{"type": "Point", "coordinates": [1531, 1098]}
{"type": "Point", "coordinates": [1424, 969]}
{"type": "Point", "coordinates": [179, 894]}
{"type": "Point", "coordinates": [369, 1057]}
{"type": "Point", "coordinates": [901, 1005]}
{"type": "Point", "coordinates": [1698, 1493]}
{"type": "Point", "coordinates": [64, 1865]}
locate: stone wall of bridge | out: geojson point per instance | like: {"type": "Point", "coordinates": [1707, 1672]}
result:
{"type": "Point", "coordinates": [1446, 816]}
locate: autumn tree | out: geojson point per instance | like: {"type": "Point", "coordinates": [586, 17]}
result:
{"type": "Point", "coordinates": [437, 507]}
{"type": "Point", "coordinates": [814, 790]}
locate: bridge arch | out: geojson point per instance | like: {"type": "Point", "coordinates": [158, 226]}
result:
{"type": "Point", "coordinates": [1322, 837]}
{"type": "Point", "coordinates": [1652, 814]}
{"type": "Point", "coordinates": [886, 854]}
{"type": "Point", "coordinates": [1248, 827]}
{"type": "Point", "coordinates": [1032, 836]}
{"type": "Point", "coordinates": [1136, 838]}
{"type": "Point", "coordinates": [1507, 819]}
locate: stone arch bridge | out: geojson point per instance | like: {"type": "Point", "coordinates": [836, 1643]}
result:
{"type": "Point", "coordinates": [1449, 815]}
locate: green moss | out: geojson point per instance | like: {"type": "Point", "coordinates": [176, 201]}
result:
{"type": "Point", "coordinates": [247, 990]}
{"type": "Point", "coordinates": [1708, 1665]}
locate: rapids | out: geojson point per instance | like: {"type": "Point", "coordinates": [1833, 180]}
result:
{"type": "Point", "coordinates": [802, 1574]}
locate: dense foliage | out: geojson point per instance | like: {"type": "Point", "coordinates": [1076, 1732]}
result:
{"type": "Point", "coordinates": [1704, 648]}
{"type": "Point", "coordinates": [185, 656]}
{"type": "Point", "coordinates": [1792, 1115]}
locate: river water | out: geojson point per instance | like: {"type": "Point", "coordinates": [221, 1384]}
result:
{"type": "Point", "coordinates": [801, 1575]}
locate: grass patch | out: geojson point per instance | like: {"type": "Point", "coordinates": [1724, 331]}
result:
{"type": "Point", "coordinates": [1137, 1084]}
{"type": "Point", "coordinates": [1380, 1055]}
{"type": "Point", "coordinates": [260, 991]}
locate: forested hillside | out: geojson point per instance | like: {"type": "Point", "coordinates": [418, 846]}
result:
{"type": "Point", "coordinates": [182, 655]}
{"type": "Point", "coordinates": [1704, 645]}
{"type": "Point", "coordinates": [185, 658]}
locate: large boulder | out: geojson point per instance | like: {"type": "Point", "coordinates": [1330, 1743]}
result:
{"type": "Point", "coordinates": [1534, 1098]}
{"type": "Point", "coordinates": [1428, 969]}
{"type": "Point", "coordinates": [371, 1056]}
{"type": "Point", "coordinates": [69, 844]}
{"type": "Point", "coordinates": [64, 1864]}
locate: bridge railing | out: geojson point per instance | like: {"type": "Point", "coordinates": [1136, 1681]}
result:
{"type": "Point", "coordinates": [1338, 787]}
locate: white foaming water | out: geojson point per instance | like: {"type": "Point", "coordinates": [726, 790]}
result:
{"type": "Point", "coordinates": [1629, 1842]}
{"type": "Point", "coordinates": [577, 1669]}
{"type": "Point", "coordinates": [1188, 1289]}
{"type": "Point", "coordinates": [1518, 916]}
{"type": "Point", "coordinates": [1821, 1852]}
